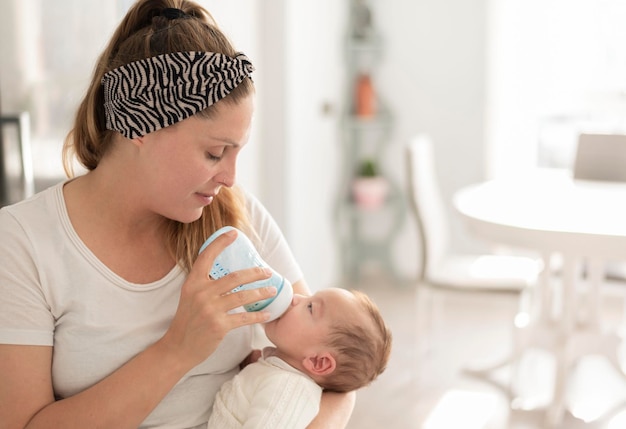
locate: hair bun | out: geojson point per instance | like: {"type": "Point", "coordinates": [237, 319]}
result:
{"type": "Point", "coordinates": [173, 13]}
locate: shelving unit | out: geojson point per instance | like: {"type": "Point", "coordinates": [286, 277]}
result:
{"type": "Point", "coordinates": [365, 234]}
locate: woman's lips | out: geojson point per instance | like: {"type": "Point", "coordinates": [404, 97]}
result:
{"type": "Point", "coordinates": [205, 198]}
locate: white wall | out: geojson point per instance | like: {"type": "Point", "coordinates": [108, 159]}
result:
{"type": "Point", "coordinates": [304, 61]}
{"type": "Point", "coordinates": [566, 76]}
{"type": "Point", "coordinates": [434, 79]}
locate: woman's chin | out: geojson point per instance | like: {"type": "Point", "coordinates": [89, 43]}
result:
{"type": "Point", "coordinates": [188, 217]}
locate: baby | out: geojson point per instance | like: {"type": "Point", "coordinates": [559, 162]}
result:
{"type": "Point", "coordinates": [335, 340]}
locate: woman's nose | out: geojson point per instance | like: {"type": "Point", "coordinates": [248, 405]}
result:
{"type": "Point", "coordinates": [227, 180]}
{"type": "Point", "coordinates": [227, 176]}
{"type": "Point", "coordinates": [224, 179]}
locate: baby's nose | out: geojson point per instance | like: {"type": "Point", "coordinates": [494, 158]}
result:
{"type": "Point", "coordinates": [296, 299]}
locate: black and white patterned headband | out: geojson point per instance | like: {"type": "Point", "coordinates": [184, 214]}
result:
{"type": "Point", "coordinates": [153, 93]}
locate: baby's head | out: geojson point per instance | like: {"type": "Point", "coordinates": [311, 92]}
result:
{"type": "Point", "coordinates": [336, 336]}
{"type": "Point", "coordinates": [361, 346]}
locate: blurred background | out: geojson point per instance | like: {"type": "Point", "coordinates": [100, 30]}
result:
{"type": "Point", "coordinates": [501, 86]}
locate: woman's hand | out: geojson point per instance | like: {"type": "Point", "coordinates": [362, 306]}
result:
{"type": "Point", "coordinates": [335, 411]}
{"type": "Point", "coordinates": [204, 317]}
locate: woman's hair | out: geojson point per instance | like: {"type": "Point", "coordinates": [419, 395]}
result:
{"type": "Point", "coordinates": [361, 350]}
{"type": "Point", "coordinates": [145, 33]}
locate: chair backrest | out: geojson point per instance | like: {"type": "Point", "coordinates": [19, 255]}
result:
{"type": "Point", "coordinates": [601, 157]}
{"type": "Point", "coordinates": [427, 201]}
{"type": "Point", "coordinates": [4, 187]}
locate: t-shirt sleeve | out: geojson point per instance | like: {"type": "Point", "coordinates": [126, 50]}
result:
{"type": "Point", "coordinates": [271, 243]}
{"type": "Point", "coordinates": [25, 316]}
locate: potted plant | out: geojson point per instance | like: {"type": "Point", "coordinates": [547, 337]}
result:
{"type": "Point", "coordinates": [369, 188]}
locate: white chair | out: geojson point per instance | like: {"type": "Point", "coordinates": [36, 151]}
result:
{"type": "Point", "coordinates": [443, 269]}
{"type": "Point", "coordinates": [439, 266]}
{"type": "Point", "coordinates": [603, 157]}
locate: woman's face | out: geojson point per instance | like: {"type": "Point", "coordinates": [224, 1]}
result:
{"type": "Point", "coordinates": [185, 165]}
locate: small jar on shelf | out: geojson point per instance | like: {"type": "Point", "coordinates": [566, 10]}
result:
{"type": "Point", "coordinates": [369, 188]}
{"type": "Point", "coordinates": [364, 97]}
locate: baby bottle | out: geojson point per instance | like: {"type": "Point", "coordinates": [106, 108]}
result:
{"type": "Point", "coordinates": [241, 254]}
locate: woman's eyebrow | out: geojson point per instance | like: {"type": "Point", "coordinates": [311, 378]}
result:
{"type": "Point", "coordinates": [227, 141]}
{"type": "Point", "coordinates": [217, 140]}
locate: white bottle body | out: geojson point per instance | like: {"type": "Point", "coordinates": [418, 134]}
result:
{"type": "Point", "coordinates": [241, 254]}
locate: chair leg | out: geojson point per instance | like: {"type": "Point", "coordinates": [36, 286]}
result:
{"type": "Point", "coordinates": [424, 297]}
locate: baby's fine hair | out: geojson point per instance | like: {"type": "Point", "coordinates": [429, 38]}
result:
{"type": "Point", "coordinates": [361, 350]}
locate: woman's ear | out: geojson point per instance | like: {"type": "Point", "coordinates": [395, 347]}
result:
{"type": "Point", "coordinates": [321, 364]}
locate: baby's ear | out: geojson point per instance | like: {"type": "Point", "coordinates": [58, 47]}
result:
{"type": "Point", "coordinates": [321, 364]}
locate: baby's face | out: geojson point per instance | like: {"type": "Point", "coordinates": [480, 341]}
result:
{"type": "Point", "coordinates": [305, 325]}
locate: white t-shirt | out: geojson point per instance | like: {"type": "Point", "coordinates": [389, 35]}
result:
{"type": "Point", "coordinates": [55, 292]}
{"type": "Point", "coordinates": [267, 394]}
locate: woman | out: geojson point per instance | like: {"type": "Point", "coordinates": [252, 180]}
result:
{"type": "Point", "coordinates": [108, 317]}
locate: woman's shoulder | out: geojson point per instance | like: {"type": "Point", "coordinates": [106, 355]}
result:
{"type": "Point", "coordinates": [38, 212]}
{"type": "Point", "coordinates": [35, 202]}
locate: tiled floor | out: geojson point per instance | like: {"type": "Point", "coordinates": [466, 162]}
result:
{"type": "Point", "coordinates": [426, 387]}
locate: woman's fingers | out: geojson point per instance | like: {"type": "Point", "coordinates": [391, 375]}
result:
{"type": "Point", "coordinates": [202, 267]}
{"type": "Point", "coordinates": [242, 318]}
{"type": "Point", "coordinates": [220, 290]}
{"type": "Point", "coordinates": [244, 296]}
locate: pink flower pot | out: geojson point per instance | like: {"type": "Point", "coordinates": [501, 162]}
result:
{"type": "Point", "coordinates": [370, 192]}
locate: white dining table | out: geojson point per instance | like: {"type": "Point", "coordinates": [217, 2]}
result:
{"type": "Point", "coordinates": [581, 222]}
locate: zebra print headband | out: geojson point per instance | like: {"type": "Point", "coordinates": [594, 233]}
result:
{"type": "Point", "coordinates": [153, 93]}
